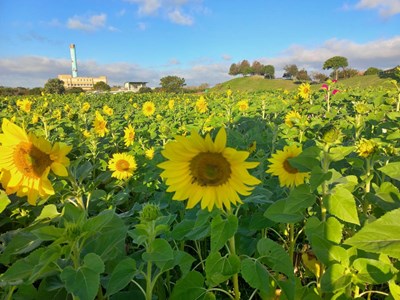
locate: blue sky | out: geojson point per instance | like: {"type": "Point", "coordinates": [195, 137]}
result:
{"type": "Point", "coordinates": [145, 40]}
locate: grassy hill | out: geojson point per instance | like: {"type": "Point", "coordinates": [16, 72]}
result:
{"type": "Point", "coordinates": [258, 83]}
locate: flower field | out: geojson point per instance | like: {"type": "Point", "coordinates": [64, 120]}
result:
{"type": "Point", "coordinates": [268, 195]}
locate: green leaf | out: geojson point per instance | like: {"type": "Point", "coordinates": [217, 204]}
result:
{"type": "Point", "coordinates": [98, 222]}
{"type": "Point", "coordinates": [121, 276]}
{"type": "Point", "coordinates": [387, 196]}
{"type": "Point", "coordinates": [20, 242]}
{"type": "Point", "coordinates": [219, 269]}
{"type": "Point", "coordinates": [300, 198]}
{"type": "Point", "coordinates": [340, 152]}
{"type": "Point", "coordinates": [84, 282]}
{"type": "Point", "coordinates": [318, 177]}
{"type": "Point", "coordinates": [48, 233]}
{"type": "Point", "coordinates": [335, 278]}
{"type": "Point", "coordinates": [392, 170]}
{"type": "Point", "coordinates": [373, 271]}
{"type": "Point", "coordinates": [306, 160]}
{"type": "Point", "coordinates": [341, 203]}
{"type": "Point", "coordinates": [380, 236]}
{"type": "Point", "coordinates": [184, 260]}
{"type": "Point", "coordinates": [4, 201]}
{"type": "Point", "coordinates": [48, 212]}
{"type": "Point", "coordinates": [275, 257]}
{"type": "Point", "coordinates": [279, 213]}
{"type": "Point", "coordinates": [256, 275]}
{"type": "Point", "coordinates": [21, 270]}
{"type": "Point", "coordinates": [45, 265]}
{"type": "Point", "coordinates": [190, 287]}
{"type": "Point", "coordinates": [181, 229]}
{"type": "Point", "coordinates": [394, 289]}
{"type": "Point", "coordinates": [323, 236]}
{"type": "Point", "coordinates": [222, 230]}
{"type": "Point", "coordinates": [160, 251]}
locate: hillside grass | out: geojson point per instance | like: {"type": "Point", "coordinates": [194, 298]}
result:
{"type": "Point", "coordinates": [259, 83]}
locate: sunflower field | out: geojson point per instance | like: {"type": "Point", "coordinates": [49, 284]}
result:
{"type": "Point", "coordinates": [267, 195]}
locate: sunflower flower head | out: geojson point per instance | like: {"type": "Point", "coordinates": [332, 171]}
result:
{"type": "Point", "coordinates": [280, 166]}
{"type": "Point", "coordinates": [26, 161]}
{"type": "Point", "coordinates": [366, 148]}
{"type": "Point", "coordinates": [331, 135]}
{"type": "Point", "coordinates": [123, 166]}
{"type": "Point", "coordinates": [243, 105]}
{"type": "Point", "coordinates": [171, 104]}
{"type": "Point", "coordinates": [129, 135]}
{"type": "Point", "coordinates": [100, 125]}
{"type": "Point", "coordinates": [206, 171]}
{"type": "Point", "coordinates": [304, 90]}
{"type": "Point", "coordinates": [85, 107]}
{"type": "Point", "coordinates": [149, 108]}
{"type": "Point", "coordinates": [149, 153]}
{"type": "Point", "coordinates": [24, 105]}
{"type": "Point", "coordinates": [108, 110]}
{"type": "Point", "coordinates": [292, 118]}
{"type": "Point", "coordinates": [201, 105]}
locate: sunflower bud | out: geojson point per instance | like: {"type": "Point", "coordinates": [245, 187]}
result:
{"type": "Point", "coordinates": [366, 148]}
{"type": "Point", "coordinates": [331, 135]}
{"type": "Point", "coordinates": [149, 213]}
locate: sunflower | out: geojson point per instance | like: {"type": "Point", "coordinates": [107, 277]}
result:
{"type": "Point", "coordinates": [99, 125]}
{"type": "Point", "coordinates": [24, 105]}
{"type": "Point", "coordinates": [201, 105]}
{"type": "Point", "coordinates": [108, 110]}
{"type": "Point", "coordinates": [366, 148]}
{"type": "Point", "coordinates": [288, 175]}
{"type": "Point", "coordinates": [123, 165]}
{"type": "Point", "coordinates": [292, 118]}
{"type": "Point", "coordinates": [85, 107]}
{"type": "Point", "coordinates": [129, 135]}
{"type": "Point", "coordinates": [149, 108]}
{"type": "Point", "coordinates": [171, 104]}
{"type": "Point", "coordinates": [304, 90]}
{"type": "Point", "coordinates": [149, 153]}
{"type": "Point", "coordinates": [26, 161]}
{"type": "Point", "coordinates": [243, 105]}
{"type": "Point", "coordinates": [206, 171]}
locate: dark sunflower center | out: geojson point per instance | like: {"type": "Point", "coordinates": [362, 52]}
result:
{"type": "Point", "coordinates": [122, 165]}
{"type": "Point", "coordinates": [288, 168]}
{"type": "Point", "coordinates": [210, 169]}
{"type": "Point", "coordinates": [31, 161]}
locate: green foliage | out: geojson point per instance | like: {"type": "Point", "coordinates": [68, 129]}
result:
{"type": "Point", "coordinates": [172, 84]}
{"type": "Point", "coordinates": [101, 86]}
{"type": "Point", "coordinates": [372, 71]}
{"type": "Point", "coordinates": [54, 86]}
{"type": "Point", "coordinates": [335, 63]}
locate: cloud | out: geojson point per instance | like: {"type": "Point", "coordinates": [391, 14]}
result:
{"type": "Point", "coordinates": [386, 8]}
{"type": "Point", "coordinates": [384, 54]}
{"type": "Point", "coordinates": [226, 57]}
{"type": "Point", "coordinates": [173, 10]}
{"type": "Point", "coordinates": [177, 17]}
{"type": "Point", "coordinates": [93, 23]}
{"type": "Point", "coordinates": [31, 71]}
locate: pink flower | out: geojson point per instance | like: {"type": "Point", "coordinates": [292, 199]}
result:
{"type": "Point", "coordinates": [324, 86]}
{"type": "Point", "coordinates": [334, 80]}
{"type": "Point", "coordinates": [335, 91]}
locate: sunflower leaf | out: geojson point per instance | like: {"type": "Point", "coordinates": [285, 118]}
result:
{"type": "Point", "coordinates": [222, 230]}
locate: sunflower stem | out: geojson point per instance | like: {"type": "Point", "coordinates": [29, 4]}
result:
{"type": "Point", "coordinates": [292, 242]}
{"type": "Point", "coordinates": [235, 277]}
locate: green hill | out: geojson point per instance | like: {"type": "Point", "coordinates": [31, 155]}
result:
{"type": "Point", "coordinates": [259, 83]}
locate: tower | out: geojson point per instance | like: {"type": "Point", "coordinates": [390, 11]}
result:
{"type": "Point", "coordinates": [73, 60]}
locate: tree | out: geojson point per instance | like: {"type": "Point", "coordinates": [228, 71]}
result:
{"type": "Point", "coordinates": [172, 84]}
{"type": "Point", "coordinates": [319, 77]}
{"type": "Point", "coordinates": [302, 75]}
{"type": "Point", "coordinates": [335, 63]}
{"type": "Point", "coordinates": [54, 86]}
{"type": "Point", "coordinates": [145, 89]}
{"type": "Point", "coordinates": [257, 68]}
{"type": "Point", "coordinates": [234, 70]}
{"type": "Point", "coordinates": [101, 86]}
{"type": "Point", "coordinates": [290, 71]}
{"type": "Point", "coordinates": [245, 68]}
{"type": "Point", "coordinates": [74, 90]}
{"type": "Point", "coordinates": [268, 71]}
{"type": "Point", "coordinates": [347, 73]}
{"type": "Point", "coordinates": [372, 71]}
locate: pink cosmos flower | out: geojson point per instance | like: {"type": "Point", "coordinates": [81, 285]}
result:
{"type": "Point", "coordinates": [335, 91]}
{"type": "Point", "coordinates": [324, 86]}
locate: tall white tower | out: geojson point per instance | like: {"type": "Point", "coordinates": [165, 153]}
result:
{"type": "Point", "coordinates": [73, 60]}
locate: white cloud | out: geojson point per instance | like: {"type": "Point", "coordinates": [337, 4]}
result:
{"type": "Point", "coordinates": [172, 9]}
{"type": "Point", "coordinates": [31, 71]}
{"type": "Point", "coordinates": [91, 24]}
{"type": "Point", "coordinates": [177, 17]}
{"type": "Point", "coordinates": [386, 8]}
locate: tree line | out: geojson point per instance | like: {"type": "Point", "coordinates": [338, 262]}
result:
{"type": "Point", "coordinates": [338, 65]}
{"type": "Point", "coordinates": [256, 68]}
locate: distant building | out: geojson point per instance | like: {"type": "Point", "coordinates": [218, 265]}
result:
{"type": "Point", "coordinates": [134, 86]}
{"type": "Point", "coordinates": [86, 83]}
